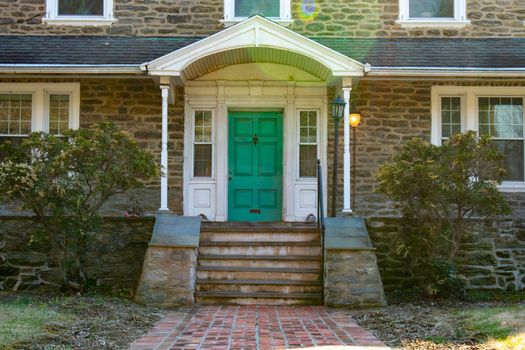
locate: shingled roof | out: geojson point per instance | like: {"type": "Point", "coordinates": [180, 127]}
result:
{"type": "Point", "coordinates": [482, 53]}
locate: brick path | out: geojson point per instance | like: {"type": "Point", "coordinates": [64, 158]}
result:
{"type": "Point", "coordinates": [257, 327]}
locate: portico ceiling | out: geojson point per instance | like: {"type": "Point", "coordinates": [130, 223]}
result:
{"type": "Point", "coordinates": [254, 40]}
{"type": "Point", "coordinates": [223, 59]}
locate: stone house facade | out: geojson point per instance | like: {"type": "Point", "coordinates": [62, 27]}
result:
{"type": "Point", "coordinates": [184, 76]}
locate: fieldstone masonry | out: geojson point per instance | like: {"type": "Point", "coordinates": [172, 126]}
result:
{"type": "Point", "coordinates": [112, 260]}
{"type": "Point", "coordinates": [491, 257]}
{"type": "Point", "coordinates": [168, 276]}
{"type": "Point", "coordinates": [338, 18]}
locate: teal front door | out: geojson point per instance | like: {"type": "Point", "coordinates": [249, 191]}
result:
{"type": "Point", "coordinates": [255, 153]}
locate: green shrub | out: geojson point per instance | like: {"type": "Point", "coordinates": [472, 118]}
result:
{"type": "Point", "coordinates": [438, 189]}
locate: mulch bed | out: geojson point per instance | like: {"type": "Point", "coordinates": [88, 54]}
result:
{"type": "Point", "coordinates": [424, 325]}
{"type": "Point", "coordinates": [99, 322]}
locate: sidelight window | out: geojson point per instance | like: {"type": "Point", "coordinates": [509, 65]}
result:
{"type": "Point", "coordinates": [307, 143]}
{"type": "Point", "coordinates": [202, 144]}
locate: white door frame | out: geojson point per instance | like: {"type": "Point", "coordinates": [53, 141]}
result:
{"type": "Point", "coordinates": [210, 195]}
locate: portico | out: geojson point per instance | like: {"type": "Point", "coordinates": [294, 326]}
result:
{"type": "Point", "coordinates": [254, 67]}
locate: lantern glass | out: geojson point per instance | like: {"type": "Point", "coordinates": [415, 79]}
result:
{"type": "Point", "coordinates": [355, 119]}
{"type": "Point", "coordinates": [338, 107]}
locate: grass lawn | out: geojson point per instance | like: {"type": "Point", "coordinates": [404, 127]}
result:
{"type": "Point", "coordinates": [496, 327]}
{"type": "Point", "coordinates": [51, 321]}
{"type": "Point", "coordinates": [22, 319]}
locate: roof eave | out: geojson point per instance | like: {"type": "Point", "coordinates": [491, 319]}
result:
{"type": "Point", "coordinates": [446, 72]}
{"type": "Point", "coordinates": [71, 68]}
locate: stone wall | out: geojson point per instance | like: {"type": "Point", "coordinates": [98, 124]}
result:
{"type": "Point", "coordinates": [355, 18]}
{"type": "Point", "coordinates": [392, 112]}
{"type": "Point", "coordinates": [112, 260]}
{"type": "Point", "coordinates": [135, 105]}
{"type": "Point", "coordinates": [491, 257]}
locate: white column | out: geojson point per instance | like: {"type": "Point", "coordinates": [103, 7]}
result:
{"type": "Point", "coordinates": [346, 173]}
{"type": "Point", "coordinates": [164, 151]}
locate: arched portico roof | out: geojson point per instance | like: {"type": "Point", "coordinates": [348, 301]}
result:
{"type": "Point", "coordinates": [277, 43]}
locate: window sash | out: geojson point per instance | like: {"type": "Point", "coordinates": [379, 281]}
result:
{"type": "Point", "coordinates": [472, 111]}
{"type": "Point", "coordinates": [459, 13]}
{"type": "Point", "coordinates": [202, 143]}
{"type": "Point", "coordinates": [284, 11]}
{"type": "Point", "coordinates": [308, 138]}
{"type": "Point", "coordinates": [52, 12]}
{"type": "Point", "coordinates": [16, 114]}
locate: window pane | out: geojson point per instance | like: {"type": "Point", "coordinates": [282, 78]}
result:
{"type": "Point", "coordinates": [501, 117]}
{"type": "Point", "coordinates": [247, 8]}
{"type": "Point", "coordinates": [431, 8]}
{"type": "Point", "coordinates": [202, 160]}
{"type": "Point", "coordinates": [513, 151]}
{"type": "Point", "coordinates": [58, 113]}
{"type": "Point", "coordinates": [307, 160]}
{"type": "Point", "coordinates": [81, 7]}
{"type": "Point", "coordinates": [450, 116]}
{"type": "Point", "coordinates": [15, 114]}
{"type": "Point", "coordinates": [203, 126]}
{"type": "Point", "coordinates": [307, 143]}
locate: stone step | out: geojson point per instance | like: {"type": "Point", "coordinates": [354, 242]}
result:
{"type": "Point", "coordinates": [258, 298]}
{"type": "Point", "coordinates": [254, 261]}
{"type": "Point", "coordinates": [259, 236]}
{"type": "Point", "coordinates": [260, 248]}
{"type": "Point", "coordinates": [259, 227]}
{"type": "Point", "coordinates": [264, 274]}
{"type": "Point", "coordinates": [245, 286]}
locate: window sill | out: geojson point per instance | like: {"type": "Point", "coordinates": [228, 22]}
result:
{"type": "Point", "coordinates": [417, 23]}
{"type": "Point", "coordinates": [512, 187]}
{"type": "Point", "coordinates": [229, 22]}
{"type": "Point", "coordinates": [80, 21]}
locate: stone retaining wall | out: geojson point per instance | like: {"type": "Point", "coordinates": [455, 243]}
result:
{"type": "Point", "coordinates": [113, 260]}
{"type": "Point", "coordinates": [492, 257]}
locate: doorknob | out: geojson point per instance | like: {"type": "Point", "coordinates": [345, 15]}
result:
{"type": "Point", "coordinates": [230, 176]}
{"type": "Point", "coordinates": [255, 139]}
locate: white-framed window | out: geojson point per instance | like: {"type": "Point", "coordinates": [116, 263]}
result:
{"type": "Point", "coordinates": [494, 111]}
{"type": "Point", "coordinates": [238, 10]}
{"type": "Point", "coordinates": [79, 12]}
{"type": "Point", "coordinates": [28, 107]}
{"type": "Point", "coordinates": [202, 143]}
{"type": "Point", "coordinates": [433, 13]}
{"type": "Point", "coordinates": [308, 143]}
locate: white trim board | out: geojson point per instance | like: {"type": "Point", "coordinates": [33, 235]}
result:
{"type": "Point", "coordinates": [221, 97]}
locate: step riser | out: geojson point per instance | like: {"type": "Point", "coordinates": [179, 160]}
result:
{"type": "Point", "coordinates": [243, 275]}
{"type": "Point", "coordinates": [261, 250]}
{"type": "Point", "coordinates": [306, 264]}
{"type": "Point", "coordinates": [253, 301]}
{"type": "Point", "coordinates": [258, 237]}
{"type": "Point", "coordinates": [254, 288]}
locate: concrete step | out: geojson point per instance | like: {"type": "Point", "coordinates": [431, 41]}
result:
{"type": "Point", "coordinates": [258, 298]}
{"type": "Point", "coordinates": [260, 248]}
{"type": "Point", "coordinates": [256, 262]}
{"type": "Point", "coordinates": [311, 262]}
{"type": "Point", "coordinates": [258, 227]}
{"type": "Point", "coordinates": [238, 273]}
{"type": "Point", "coordinates": [260, 236]}
{"type": "Point", "coordinates": [244, 286]}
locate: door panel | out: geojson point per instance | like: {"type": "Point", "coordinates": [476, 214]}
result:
{"type": "Point", "coordinates": [255, 166]}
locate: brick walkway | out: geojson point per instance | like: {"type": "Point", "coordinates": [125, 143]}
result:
{"type": "Point", "coordinates": [257, 327]}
